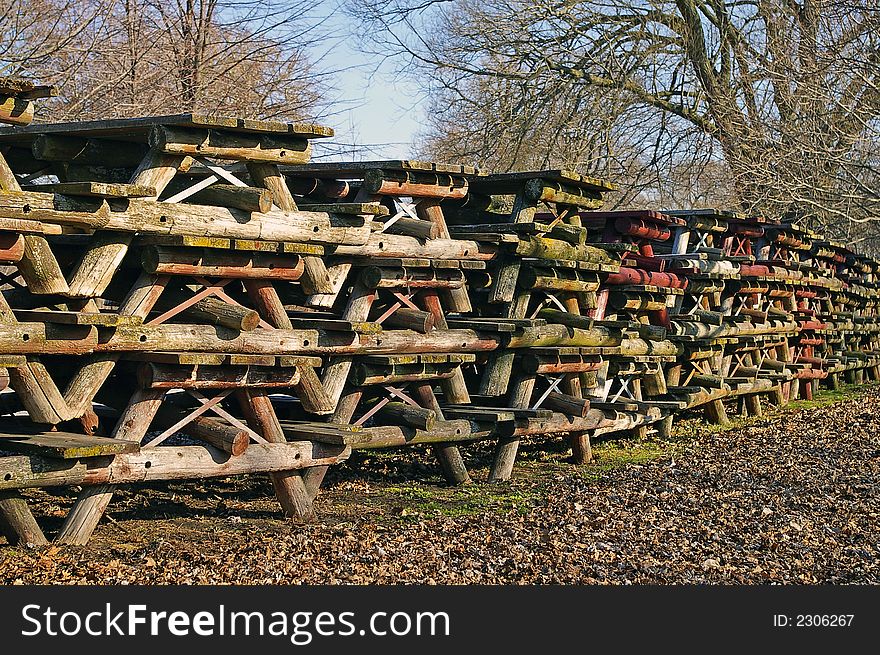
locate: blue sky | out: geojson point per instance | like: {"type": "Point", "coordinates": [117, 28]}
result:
{"type": "Point", "coordinates": [379, 109]}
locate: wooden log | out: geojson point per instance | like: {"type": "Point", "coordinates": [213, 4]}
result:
{"type": "Point", "coordinates": [414, 228]}
{"type": "Point", "coordinates": [311, 392]}
{"type": "Point", "coordinates": [98, 263]}
{"type": "Point", "coordinates": [454, 469]}
{"type": "Point", "coordinates": [249, 199]}
{"type": "Point", "coordinates": [17, 521]}
{"type": "Point", "coordinates": [263, 294]}
{"type": "Point", "coordinates": [38, 393]}
{"type": "Point", "coordinates": [166, 463]}
{"type": "Point", "coordinates": [269, 177]}
{"type": "Point", "coordinates": [753, 404]}
{"type": "Point", "coordinates": [153, 375]}
{"type": "Point", "coordinates": [416, 184]}
{"type": "Point", "coordinates": [342, 415]}
{"type": "Point", "coordinates": [365, 374]}
{"type": "Point", "coordinates": [338, 370]}
{"type": "Point", "coordinates": [544, 279]}
{"type": "Point", "coordinates": [39, 268]}
{"type": "Point", "coordinates": [412, 319]}
{"type": "Point", "coordinates": [664, 426]}
{"type": "Point", "coordinates": [290, 489]}
{"type": "Point", "coordinates": [92, 502]}
{"type": "Point", "coordinates": [708, 381]}
{"type": "Point", "coordinates": [319, 188]}
{"type": "Point", "coordinates": [455, 390]}
{"type": "Point", "coordinates": [8, 181]}
{"type": "Point", "coordinates": [559, 423]}
{"type": "Point", "coordinates": [636, 302]}
{"type": "Point", "coordinates": [163, 260]}
{"type": "Point", "coordinates": [46, 338]}
{"type": "Point", "coordinates": [169, 337]}
{"type": "Point", "coordinates": [277, 149]}
{"type": "Point", "coordinates": [442, 439]}
{"type": "Point", "coordinates": [315, 279]}
{"type": "Point", "coordinates": [405, 414]}
{"type": "Point", "coordinates": [374, 277]}
{"type": "Point", "coordinates": [151, 218]}
{"type": "Point", "coordinates": [581, 450]}
{"type": "Point", "coordinates": [567, 404]}
{"type": "Point", "coordinates": [532, 364]}
{"type": "Point", "coordinates": [83, 151]}
{"type": "Point", "coordinates": [222, 436]}
{"type": "Point", "coordinates": [89, 379]}
{"type": "Point", "coordinates": [398, 245]}
{"type": "Point", "coordinates": [716, 413]}
{"type": "Point", "coordinates": [156, 170]}
{"type": "Point", "coordinates": [217, 312]}
{"type": "Point", "coordinates": [506, 450]}
{"type": "Point", "coordinates": [457, 299]}
{"type": "Point", "coordinates": [557, 335]}
{"type": "Point", "coordinates": [562, 194]}
{"type": "Point", "coordinates": [546, 248]}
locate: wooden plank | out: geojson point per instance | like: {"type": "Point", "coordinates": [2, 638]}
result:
{"type": "Point", "coordinates": [66, 445]}
{"type": "Point", "coordinates": [206, 359]}
{"type": "Point", "coordinates": [329, 433]}
{"type": "Point", "coordinates": [373, 208]}
{"type": "Point", "coordinates": [77, 318]}
{"type": "Point", "coordinates": [335, 325]}
{"type": "Point", "coordinates": [356, 170]}
{"type": "Point", "coordinates": [507, 183]}
{"type": "Point", "coordinates": [95, 189]}
{"type": "Point", "coordinates": [137, 129]}
{"type": "Point", "coordinates": [478, 413]}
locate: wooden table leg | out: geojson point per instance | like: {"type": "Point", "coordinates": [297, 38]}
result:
{"type": "Point", "coordinates": [289, 486]}
{"type": "Point", "coordinates": [507, 448]}
{"type": "Point", "coordinates": [17, 521]}
{"type": "Point", "coordinates": [92, 502]}
{"type": "Point", "coordinates": [454, 469]}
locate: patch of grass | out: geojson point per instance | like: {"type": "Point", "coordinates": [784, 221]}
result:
{"type": "Point", "coordinates": [415, 500]}
{"type": "Point", "coordinates": [827, 397]}
{"type": "Point", "coordinates": [610, 455]}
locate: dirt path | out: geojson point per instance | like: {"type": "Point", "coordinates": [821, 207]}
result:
{"type": "Point", "coordinates": [793, 498]}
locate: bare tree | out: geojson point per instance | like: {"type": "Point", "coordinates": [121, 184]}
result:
{"type": "Point", "coordinates": [786, 93]}
{"type": "Point", "coordinates": [33, 32]}
{"type": "Point", "coordinates": [136, 57]}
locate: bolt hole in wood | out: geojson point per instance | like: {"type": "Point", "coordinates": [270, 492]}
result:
{"type": "Point", "coordinates": [381, 245]}
{"type": "Point", "coordinates": [147, 464]}
{"type": "Point", "coordinates": [7, 477]}
{"type": "Point", "coordinates": [305, 343]}
{"type": "Point", "coordinates": [143, 338]}
{"type": "Point", "coordinates": [297, 456]}
{"type": "Point", "coordinates": [163, 219]}
{"type": "Point", "coordinates": [25, 337]}
{"type": "Point", "coordinates": [26, 209]}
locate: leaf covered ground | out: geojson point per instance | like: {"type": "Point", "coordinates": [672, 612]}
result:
{"type": "Point", "coordinates": [791, 498]}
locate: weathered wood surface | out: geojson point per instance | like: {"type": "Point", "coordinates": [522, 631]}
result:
{"type": "Point", "coordinates": [166, 463]}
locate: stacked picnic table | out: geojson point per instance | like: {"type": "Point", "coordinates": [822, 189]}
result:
{"type": "Point", "coordinates": [189, 296]}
